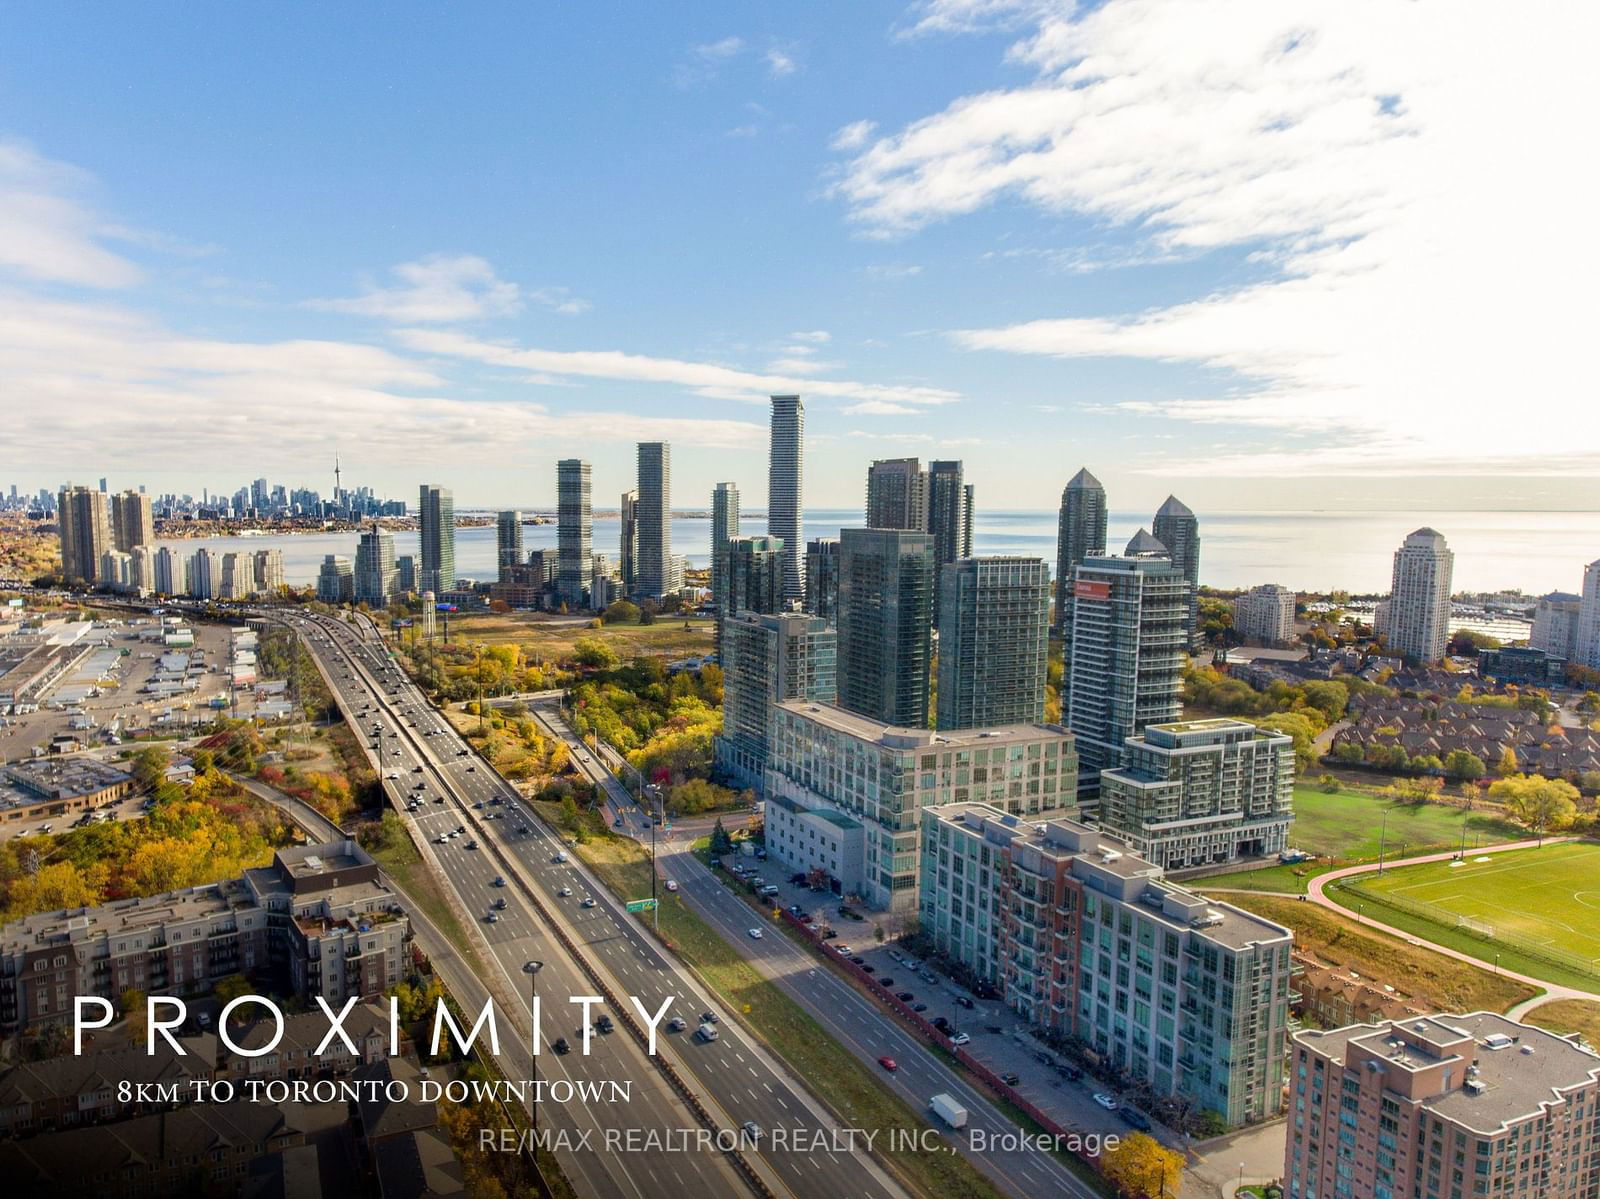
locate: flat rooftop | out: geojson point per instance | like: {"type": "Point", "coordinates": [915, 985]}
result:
{"type": "Point", "coordinates": [1520, 1066]}
{"type": "Point", "coordinates": [896, 737]}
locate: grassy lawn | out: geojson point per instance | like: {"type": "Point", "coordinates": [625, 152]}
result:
{"type": "Point", "coordinates": [1432, 980]}
{"type": "Point", "coordinates": [853, 1092]}
{"type": "Point", "coordinates": [405, 865]}
{"type": "Point", "coordinates": [1581, 1016]}
{"type": "Point", "coordinates": [542, 634]}
{"type": "Point", "coordinates": [1533, 908]}
{"type": "Point", "coordinates": [1347, 827]}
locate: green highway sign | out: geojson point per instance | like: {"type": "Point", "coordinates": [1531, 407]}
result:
{"type": "Point", "coordinates": [641, 905]}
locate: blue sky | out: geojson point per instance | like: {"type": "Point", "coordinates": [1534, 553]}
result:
{"type": "Point", "coordinates": [1200, 246]}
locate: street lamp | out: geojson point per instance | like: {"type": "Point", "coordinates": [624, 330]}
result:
{"type": "Point", "coordinates": [531, 968]}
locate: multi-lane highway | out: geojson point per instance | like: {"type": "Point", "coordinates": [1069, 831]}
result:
{"type": "Point", "coordinates": [732, 1076]}
{"type": "Point", "coordinates": [862, 1026]}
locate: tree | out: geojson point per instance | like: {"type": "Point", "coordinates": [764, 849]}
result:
{"type": "Point", "coordinates": [1538, 803]}
{"type": "Point", "coordinates": [621, 612]}
{"type": "Point", "coordinates": [1508, 763]}
{"type": "Point", "coordinates": [592, 652]}
{"type": "Point", "coordinates": [1463, 765]}
{"type": "Point", "coordinates": [721, 843]}
{"type": "Point", "coordinates": [230, 988]}
{"type": "Point", "coordinates": [1141, 1168]}
{"type": "Point", "coordinates": [569, 813]}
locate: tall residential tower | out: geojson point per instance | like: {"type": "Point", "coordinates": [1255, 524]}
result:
{"type": "Point", "coordinates": [437, 512]}
{"type": "Point", "coordinates": [1418, 623]}
{"type": "Point", "coordinates": [885, 621]}
{"type": "Point", "coordinates": [574, 549]}
{"type": "Point", "coordinates": [655, 567]}
{"type": "Point", "coordinates": [785, 476]}
{"type": "Point", "coordinates": [994, 642]}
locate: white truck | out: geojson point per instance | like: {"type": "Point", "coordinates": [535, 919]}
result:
{"type": "Point", "coordinates": [948, 1110]}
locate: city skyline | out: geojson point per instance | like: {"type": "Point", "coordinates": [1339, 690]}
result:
{"type": "Point", "coordinates": [965, 242]}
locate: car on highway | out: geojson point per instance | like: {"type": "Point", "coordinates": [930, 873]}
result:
{"type": "Point", "coordinates": [671, 886]}
{"type": "Point", "coordinates": [1109, 1102]}
{"type": "Point", "coordinates": [441, 839]}
{"type": "Point", "coordinates": [565, 892]}
{"type": "Point", "coordinates": [472, 845]}
{"type": "Point", "coordinates": [709, 1018]}
{"type": "Point", "coordinates": [888, 1063]}
{"type": "Point", "coordinates": [604, 1024]}
{"type": "Point", "coordinates": [561, 1046]}
{"type": "Point", "coordinates": [588, 901]}
{"type": "Point", "coordinates": [492, 917]}
{"type": "Point", "coordinates": [756, 934]}
{"type": "Point", "coordinates": [752, 1130]}
{"type": "Point", "coordinates": [500, 904]}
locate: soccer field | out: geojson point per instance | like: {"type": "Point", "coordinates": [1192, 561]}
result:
{"type": "Point", "coordinates": [1546, 901]}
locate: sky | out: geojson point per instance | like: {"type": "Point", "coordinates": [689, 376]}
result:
{"type": "Point", "coordinates": [1265, 255]}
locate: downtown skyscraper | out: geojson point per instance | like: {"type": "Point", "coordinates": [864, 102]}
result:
{"type": "Point", "coordinates": [437, 518]}
{"type": "Point", "coordinates": [994, 642]}
{"type": "Point", "coordinates": [574, 549]}
{"type": "Point", "coordinates": [885, 621]}
{"type": "Point", "coordinates": [655, 570]}
{"type": "Point", "coordinates": [785, 478]}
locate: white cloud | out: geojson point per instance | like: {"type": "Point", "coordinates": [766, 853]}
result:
{"type": "Point", "coordinates": [1414, 206]}
{"type": "Point", "coordinates": [780, 63]}
{"type": "Point", "coordinates": [47, 232]}
{"type": "Point", "coordinates": [703, 378]}
{"type": "Point", "coordinates": [743, 131]}
{"type": "Point", "coordinates": [854, 135]}
{"type": "Point", "coordinates": [878, 408]}
{"type": "Point", "coordinates": [891, 271]}
{"type": "Point", "coordinates": [814, 336]}
{"type": "Point", "coordinates": [118, 386]}
{"type": "Point", "coordinates": [559, 299]}
{"type": "Point", "coordinates": [440, 287]}
{"type": "Point", "coordinates": [725, 48]}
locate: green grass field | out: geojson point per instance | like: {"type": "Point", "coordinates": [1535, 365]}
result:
{"type": "Point", "coordinates": [1347, 826]}
{"type": "Point", "coordinates": [1536, 908]}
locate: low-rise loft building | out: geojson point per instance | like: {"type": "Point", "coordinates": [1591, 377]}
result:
{"type": "Point", "coordinates": [1086, 939]}
{"type": "Point", "coordinates": [317, 920]}
{"type": "Point", "coordinates": [1201, 792]}
{"type": "Point", "coordinates": [824, 758]}
{"type": "Point", "coordinates": [1442, 1107]}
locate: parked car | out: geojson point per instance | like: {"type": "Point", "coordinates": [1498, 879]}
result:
{"type": "Point", "coordinates": [1134, 1118]}
{"type": "Point", "coordinates": [1108, 1102]}
{"type": "Point", "coordinates": [960, 1038]}
{"type": "Point", "coordinates": [1011, 1079]}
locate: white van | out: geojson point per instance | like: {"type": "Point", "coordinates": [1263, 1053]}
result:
{"type": "Point", "coordinates": [706, 1032]}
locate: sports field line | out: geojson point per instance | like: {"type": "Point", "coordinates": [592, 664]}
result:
{"type": "Point", "coordinates": [1511, 919]}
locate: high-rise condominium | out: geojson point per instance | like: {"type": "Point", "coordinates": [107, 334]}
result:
{"type": "Point", "coordinates": [885, 624]}
{"type": "Point", "coordinates": [785, 478]}
{"type": "Point", "coordinates": [1082, 531]}
{"type": "Point", "coordinates": [508, 539]}
{"type": "Point", "coordinates": [1265, 613]}
{"type": "Point", "coordinates": [948, 512]}
{"type": "Point", "coordinates": [168, 578]}
{"type": "Point", "coordinates": [574, 549]}
{"type": "Point", "coordinates": [205, 574]}
{"type": "Point", "coordinates": [85, 532]}
{"type": "Point", "coordinates": [1418, 623]}
{"type": "Point", "coordinates": [628, 550]}
{"type": "Point", "coordinates": [655, 565]}
{"type": "Point", "coordinates": [766, 659]}
{"type": "Point", "coordinates": [1130, 628]}
{"type": "Point", "coordinates": [1441, 1107]}
{"type": "Point", "coordinates": [749, 575]}
{"type": "Point", "coordinates": [822, 577]}
{"type": "Point", "coordinates": [724, 524]}
{"type": "Point", "coordinates": [437, 510]}
{"type": "Point", "coordinates": [1555, 624]}
{"type": "Point", "coordinates": [1587, 639]}
{"type": "Point", "coordinates": [133, 520]}
{"type": "Point", "coordinates": [1176, 528]}
{"type": "Point", "coordinates": [897, 495]}
{"type": "Point", "coordinates": [376, 578]}
{"type": "Point", "coordinates": [269, 572]}
{"type": "Point", "coordinates": [994, 641]}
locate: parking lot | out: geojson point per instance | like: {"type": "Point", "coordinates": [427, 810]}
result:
{"type": "Point", "coordinates": [121, 700]}
{"type": "Point", "coordinates": [995, 1036]}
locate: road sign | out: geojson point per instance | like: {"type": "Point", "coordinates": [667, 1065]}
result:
{"type": "Point", "coordinates": [641, 905]}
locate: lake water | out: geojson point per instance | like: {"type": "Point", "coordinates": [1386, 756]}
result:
{"type": "Point", "coordinates": [1310, 551]}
